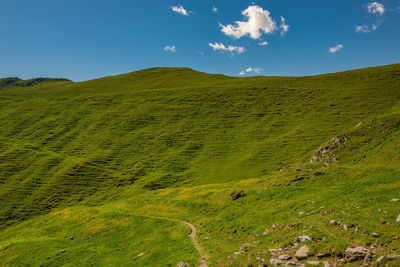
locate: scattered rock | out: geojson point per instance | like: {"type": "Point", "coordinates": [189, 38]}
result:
{"type": "Point", "coordinates": [274, 227]}
{"type": "Point", "coordinates": [272, 251]}
{"type": "Point", "coordinates": [324, 255]}
{"type": "Point", "coordinates": [285, 257]}
{"type": "Point", "coordinates": [266, 231]}
{"type": "Point", "coordinates": [326, 153]}
{"type": "Point", "coordinates": [356, 253]}
{"type": "Point", "coordinates": [302, 253]}
{"type": "Point", "coordinates": [375, 235]}
{"type": "Point", "coordinates": [344, 227]}
{"type": "Point", "coordinates": [332, 222]}
{"type": "Point", "coordinates": [313, 262]}
{"type": "Point", "coordinates": [182, 264]}
{"type": "Point", "coordinates": [237, 194]}
{"type": "Point", "coordinates": [303, 238]}
{"type": "Point", "coordinates": [380, 259]}
{"type": "Point", "coordinates": [275, 262]}
{"type": "Point", "coordinates": [398, 219]}
{"type": "Point", "coordinates": [326, 264]}
{"type": "Point", "coordinates": [395, 199]}
{"type": "Point", "coordinates": [392, 257]}
{"type": "Point", "coordinates": [246, 247]}
{"type": "Point", "coordinates": [301, 212]}
{"type": "Point", "coordinates": [140, 254]}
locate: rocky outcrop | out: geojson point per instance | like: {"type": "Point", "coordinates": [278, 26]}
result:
{"type": "Point", "coordinates": [326, 152]}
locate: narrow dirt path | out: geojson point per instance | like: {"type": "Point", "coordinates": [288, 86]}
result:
{"type": "Point", "coordinates": [193, 237]}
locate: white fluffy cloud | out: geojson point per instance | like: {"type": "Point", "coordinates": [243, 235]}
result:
{"type": "Point", "coordinates": [376, 8]}
{"type": "Point", "coordinates": [284, 27]}
{"type": "Point", "coordinates": [335, 48]}
{"type": "Point", "coordinates": [170, 48]}
{"type": "Point", "coordinates": [214, 9]}
{"type": "Point", "coordinates": [179, 9]}
{"type": "Point", "coordinates": [221, 47]}
{"type": "Point", "coordinates": [253, 70]}
{"type": "Point", "coordinates": [264, 43]}
{"type": "Point", "coordinates": [258, 21]}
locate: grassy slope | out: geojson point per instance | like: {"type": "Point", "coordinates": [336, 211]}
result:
{"type": "Point", "coordinates": [104, 143]}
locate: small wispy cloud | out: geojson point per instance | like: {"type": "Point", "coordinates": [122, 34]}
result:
{"type": "Point", "coordinates": [362, 29]}
{"type": "Point", "coordinates": [264, 43]}
{"type": "Point", "coordinates": [170, 48]}
{"type": "Point", "coordinates": [335, 48]}
{"type": "Point", "coordinates": [180, 10]}
{"type": "Point", "coordinates": [221, 47]}
{"type": "Point", "coordinates": [251, 70]}
{"type": "Point", "coordinates": [214, 9]}
{"type": "Point", "coordinates": [367, 29]}
{"type": "Point", "coordinates": [377, 24]}
{"type": "Point", "coordinates": [284, 27]}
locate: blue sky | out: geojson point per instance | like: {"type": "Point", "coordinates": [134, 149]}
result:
{"type": "Point", "coordinates": [85, 39]}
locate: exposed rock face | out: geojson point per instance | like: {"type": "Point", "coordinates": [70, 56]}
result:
{"type": "Point", "coordinates": [356, 253]}
{"type": "Point", "coordinates": [181, 264]}
{"type": "Point", "coordinates": [302, 253]}
{"type": "Point", "coordinates": [398, 219]}
{"type": "Point", "coordinates": [326, 152]}
{"type": "Point", "coordinates": [313, 262]}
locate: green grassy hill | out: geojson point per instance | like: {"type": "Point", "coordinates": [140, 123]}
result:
{"type": "Point", "coordinates": [98, 172]}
